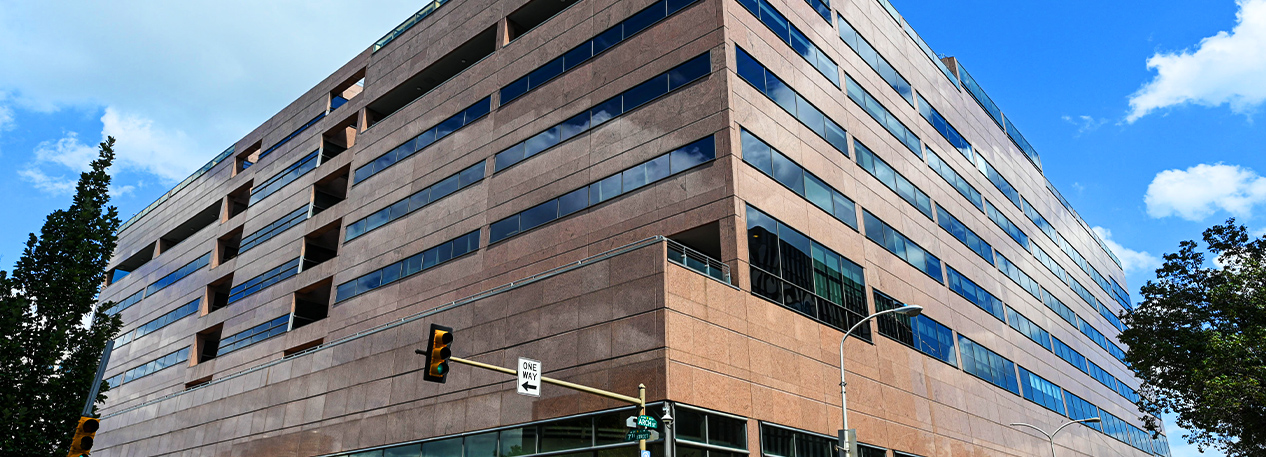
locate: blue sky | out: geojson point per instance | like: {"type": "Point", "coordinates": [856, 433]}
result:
{"type": "Point", "coordinates": [1145, 113]}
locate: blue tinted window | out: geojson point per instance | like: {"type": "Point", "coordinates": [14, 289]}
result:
{"type": "Point", "coordinates": [782, 94]}
{"type": "Point", "coordinates": [444, 252]}
{"type": "Point", "coordinates": [782, 169]}
{"type": "Point", "coordinates": [896, 243]}
{"type": "Point", "coordinates": [426, 138]}
{"type": "Point", "coordinates": [974, 293]}
{"type": "Point", "coordinates": [418, 200]}
{"type": "Point", "coordinates": [892, 179]}
{"type": "Point", "coordinates": [1041, 391]}
{"type": "Point", "coordinates": [881, 115]}
{"type": "Point", "coordinates": [988, 365]}
{"type": "Point", "coordinates": [615, 106]}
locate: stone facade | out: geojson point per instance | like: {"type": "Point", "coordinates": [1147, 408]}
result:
{"type": "Point", "coordinates": [594, 295]}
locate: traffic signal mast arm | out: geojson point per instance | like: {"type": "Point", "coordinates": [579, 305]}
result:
{"type": "Point", "coordinates": [612, 395]}
{"type": "Point", "coordinates": [640, 401]}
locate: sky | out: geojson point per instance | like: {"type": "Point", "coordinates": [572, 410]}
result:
{"type": "Point", "coordinates": [1145, 113]}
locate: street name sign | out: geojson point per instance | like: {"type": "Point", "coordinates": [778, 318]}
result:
{"type": "Point", "coordinates": [529, 377]}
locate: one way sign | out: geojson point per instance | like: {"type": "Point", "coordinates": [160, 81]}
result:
{"type": "Point", "coordinates": [529, 377]}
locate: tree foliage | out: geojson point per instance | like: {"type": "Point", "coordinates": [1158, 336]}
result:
{"type": "Point", "coordinates": [48, 352]}
{"type": "Point", "coordinates": [1198, 341]}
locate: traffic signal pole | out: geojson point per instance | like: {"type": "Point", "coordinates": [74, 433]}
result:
{"type": "Point", "coordinates": [640, 400]}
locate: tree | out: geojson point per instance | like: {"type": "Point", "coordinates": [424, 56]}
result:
{"type": "Point", "coordinates": [1198, 341]}
{"type": "Point", "coordinates": [48, 351]}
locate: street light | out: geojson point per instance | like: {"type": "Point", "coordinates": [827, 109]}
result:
{"type": "Point", "coordinates": [1051, 436]}
{"type": "Point", "coordinates": [908, 310]}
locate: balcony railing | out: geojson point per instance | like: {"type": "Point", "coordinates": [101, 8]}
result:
{"type": "Point", "coordinates": [697, 261]}
{"type": "Point", "coordinates": [409, 23]}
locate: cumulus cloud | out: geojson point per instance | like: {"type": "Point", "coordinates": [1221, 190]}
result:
{"type": "Point", "coordinates": [1198, 192]}
{"type": "Point", "coordinates": [1226, 68]}
{"type": "Point", "coordinates": [1131, 260]}
{"type": "Point", "coordinates": [178, 81]}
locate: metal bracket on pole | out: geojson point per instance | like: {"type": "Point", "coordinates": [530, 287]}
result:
{"type": "Point", "coordinates": [847, 444]}
{"type": "Point", "coordinates": [96, 381]}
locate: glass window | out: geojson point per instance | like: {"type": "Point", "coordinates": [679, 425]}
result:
{"type": "Point", "coordinates": [573, 201]}
{"type": "Point", "coordinates": [574, 126]}
{"type": "Point", "coordinates": [541, 142]}
{"type": "Point", "coordinates": [510, 156]}
{"type": "Point", "coordinates": [691, 70]}
{"type": "Point", "coordinates": [545, 73]}
{"type": "Point", "coordinates": [645, 92]}
{"type": "Point", "coordinates": [451, 447]}
{"type": "Point", "coordinates": [577, 55]}
{"type": "Point", "coordinates": [518, 441]}
{"type": "Point", "coordinates": [693, 154]}
{"type": "Point", "coordinates": [411, 450]}
{"type": "Point", "coordinates": [788, 173]}
{"type": "Point", "coordinates": [569, 434]}
{"type": "Point", "coordinates": [751, 70]}
{"type": "Point", "coordinates": [606, 110]}
{"type": "Point", "coordinates": [643, 19]}
{"type": "Point", "coordinates": [605, 189]}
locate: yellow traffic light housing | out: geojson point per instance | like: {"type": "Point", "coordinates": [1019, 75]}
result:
{"type": "Point", "coordinates": [437, 354]}
{"type": "Point", "coordinates": [84, 433]}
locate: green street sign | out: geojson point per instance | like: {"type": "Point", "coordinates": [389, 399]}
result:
{"type": "Point", "coordinates": [647, 421]}
{"type": "Point", "coordinates": [642, 434]}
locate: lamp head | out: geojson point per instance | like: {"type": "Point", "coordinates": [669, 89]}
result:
{"type": "Point", "coordinates": [1092, 420]}
{"type": "Point", "coordinates": [910, 310]}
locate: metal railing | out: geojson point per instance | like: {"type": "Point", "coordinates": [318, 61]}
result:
{"type": "Point", "coordinates": [698, 261]}
{"type": "Point", "coordinates": [408, 23]}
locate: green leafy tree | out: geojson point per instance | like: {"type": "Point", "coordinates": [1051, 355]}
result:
{"type": "Point", "coordinates": [49, 351]}
{"type": "Point", "coordinates": [1198, 341]}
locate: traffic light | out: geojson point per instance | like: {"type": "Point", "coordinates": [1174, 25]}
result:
{"type": "Point", "coordinates": [84, 432]}
{"type": "Point", "coordinates": [437, 354]}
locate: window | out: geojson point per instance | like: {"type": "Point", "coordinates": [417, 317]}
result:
{"type": "Point", "coordinates": [275, 228]}
{"type": "Point", "coordinates": [585, 51]}
{"type": "Point", "coordinates": [286, 176]}
{"type": "Point", "coordinates": [955, 180]}
{"type": "Point", "coordinates": [703, 427]}
{"type": "Point", "coordinates": [777, 441]}
{"type": "Point", "coordinates": [793, 37]}
{"type": "Point", "coordinates": [920, 332]}
{"type": "Point", "coordinates": [791, 269]}
{"type": "Point", "coordinates": [1014, 272]}
{"type": "Point", "coordinates": [253, 335]}
{"type": "Point", "coordinates": [1023, 144]}
{"type": "Point", "coordinates": [637, 176]}
{"type": "Point", "coordinates": [263, 281]}
{"type": "Point", "coordinates": [1038, 220]}
{"type": "Point", "coordinates": [410, 266]}
{"type": "Point", "coordinates": [1069, 355]}
{"type": "Point", "coordinates": [1102, 376]}
{"type": "Point", "coordinates": [289, 137]}
{"type": "Point", "coordinates": [896, 243]}
{"type": "Point", "coordinates": [892, 179]}
{"type": "Point", "coordinates": [179, 274]}
{"type": "Point", "coordinates": [188, 309]}
{"type": "Point", "coordinates": [1041, 391]}
{"type": "Point", "coordinates": [151, 367]}
{"type": "Point", "coordinates": [973, 293]}
{"type": "Point", "coordinates": [880, 114]}
{"type": "Point", "coordinates": [988, 365]}
{"type": "Point", "coordinates": [1059, 308]}
{"type": "Point", "coordinates": [940, 124]}
{"type": "Point", "coordinates": [1005, 224]}
{"type": "Point", "coordinates": [1027, 328]}
{"type": "Point", "coordinates": [420, 199]}
{"type": "Point", "coordinates": [791, 175]}
{"type": "Point", "coordinates": [126, 302]}
{"type": "Point", "coordinates": [1079, 409]}
{"type": "Point", "coordinates": [782, 94]}
{"type": "Point", "coordinates": [877, 62]}
{"type": "Point", "coordinates": [656, 87]}
{"type": "Point", "coordinates": [428, 137]}
{"type": "Point", "coordinates": [1050, 264]}
{"type": "Point", "coordinates": [963, 234]}
{"type": "Point", "coordinates": [999, 182]}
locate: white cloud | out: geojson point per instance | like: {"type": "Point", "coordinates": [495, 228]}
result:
{"type": "Point", "coordinates": [1226, 68]}
{"type": "Point", "coordinates": [1131, 260]}
{"type": "Point", "coordinates": [1085, 123]}
{"type": "Point", "coordinates": [1198, 192]}
{"type": "Point", "coordinates": [178, 81]}
{"type": "Point", "coordinates": [55, 185]}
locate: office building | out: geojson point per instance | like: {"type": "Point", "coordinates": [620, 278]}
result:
{"type": "Point", "coordinates": [699, 196]}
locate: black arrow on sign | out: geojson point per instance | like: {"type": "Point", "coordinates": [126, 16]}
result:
{"type": "Point", "coordinates": [527, 386]}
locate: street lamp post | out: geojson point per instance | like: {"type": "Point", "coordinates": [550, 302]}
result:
{"type": "Point", "coordinates": [1051, 436]}
{"type": "Point", "coordinates": [908, 310]}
